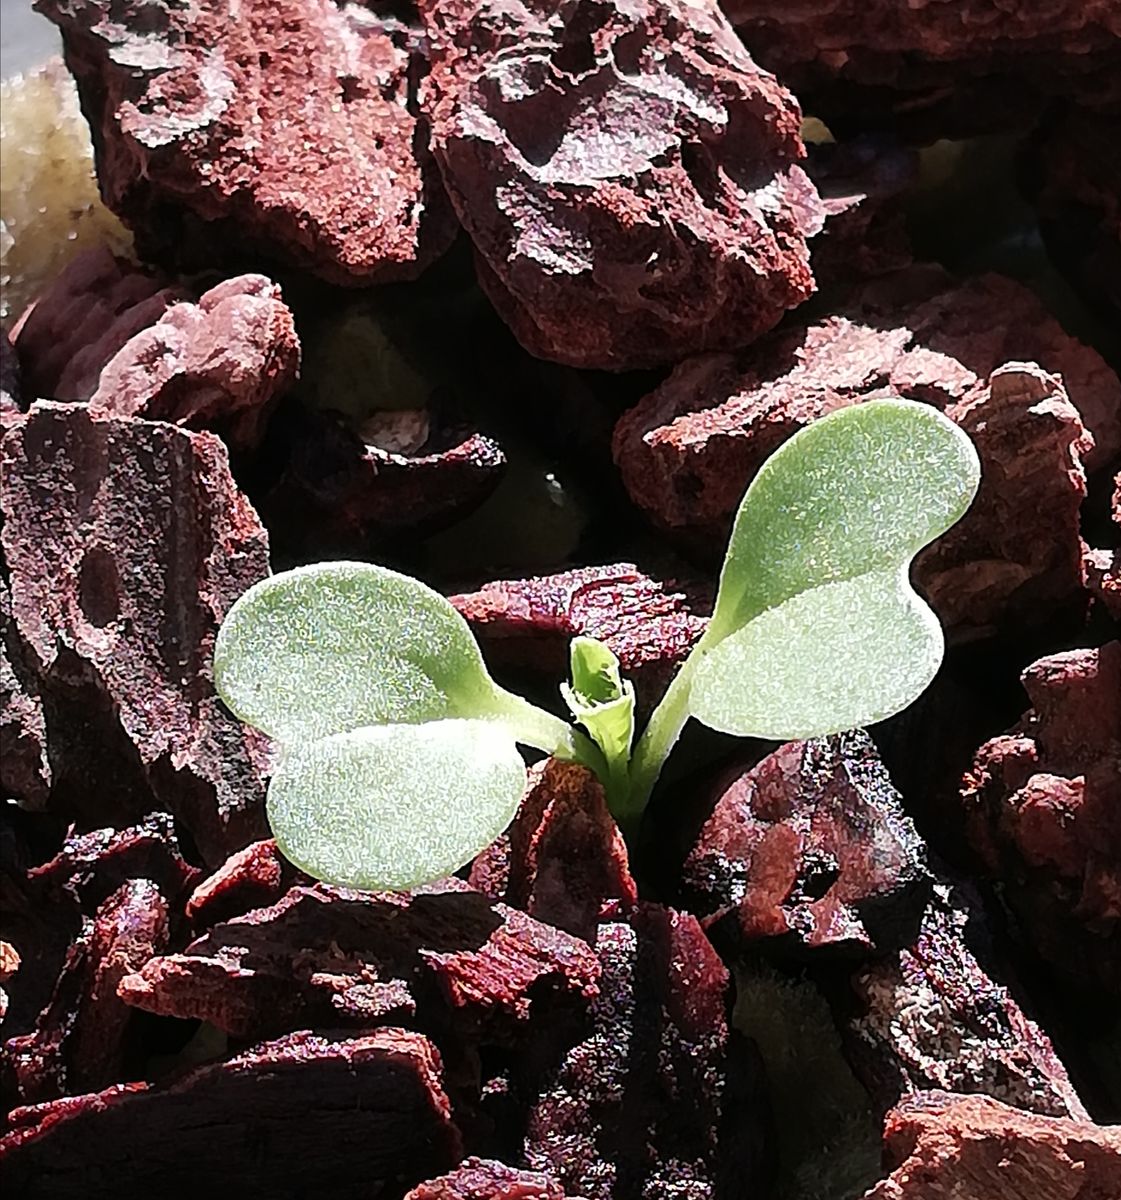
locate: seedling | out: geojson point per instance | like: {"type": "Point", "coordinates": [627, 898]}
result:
{"type": "Point", "coordinates": [399, 754]}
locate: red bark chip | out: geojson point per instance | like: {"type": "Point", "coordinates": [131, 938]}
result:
{"type": "Point", "coordinates": [325, 955]}
{"type": "Point", "coordinates": [251, 878]}
{"type": "Point", "coordinates": [77, 1044]}
{"type": "Point", "coordinates": [119, 582]}
{"type": "Point", "coordinates": [286, 128]}
{"type": "Point", "coordinates": [812, 844]}
{"type": "Point", "coordinates": [306, 1115]}
{"type": "Point", "coordinates": [943, 1147]}
{"type": "Point", "coordinates": [625, 172]}
{"type": "Point", "coordinates": [934, 1015]}
{"type": "Point", "coordinates": [658, 1098]}
{"type": "Point", "coordinates": [219, 364]}
{"type": "Point", "coordinates": [82, 319]}
{"type": "Point", "coordinates": [483, 1179]}
{"type": "Point", "coordinates": [563, 859]}
{"type": "Point", "coordinates": [947, 69]}
{"type": "Point", "coordinates": [650, 625]}
{"type": "Point", "coordinates": [1042, 807]}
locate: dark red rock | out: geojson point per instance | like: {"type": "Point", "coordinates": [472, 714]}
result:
{"type": "Point", "coordinates": [625, 172]}
{"type": "Point", "coordinates": [942, 1146]}
{"type": "Point", "coordinates": [219, 364]}
{"type": "Point", "coordinates": [281, 128]}
{"type": "Point", "coordinates": [402, 473]}
{"type": "Point", "coordinates": [127, 542]}
{"type": "Point", "coordinates": [1042, 807]}
{"type": "Point", "coordinates": [811, 845]}
{"type": "Point", "coordinates": [483, 1179]}
{"type": "Point", "coordinates": [1072, 171]}
{"type": "Point", "coordinates": [87, 314]}
{"type": "Point", "coordinates": [650, 625]}
{"type": "Point", "coordinates": [948, 69]}
{"type": "Point", "coordinates": [252, 878]}
{"type": "Point", "coordinates": [1016, 557]}
{"type": "Point", "coordinates": [935, 1015]}
{"type": "Point", "coordinates": [25, 773]}
{"type": "Point", "coordinates": [91, 866]}
{"type": "Point", "coordinates": [78, 1042]}
{"type": "Point", "coordinates": [563, 859]}
{"type": "Point", "coordinates": [659, 1097]}
{"type": "Point", "coordinates": [688, 450]}
{"type": "Point", "coordinates": [274, 1118]}
{"type": "Point", "coordinates": [860, 183]}
{"type": "Point", "coordinates": [1103, 567]}
{"type": "Point", "coordinates": [328, 956]}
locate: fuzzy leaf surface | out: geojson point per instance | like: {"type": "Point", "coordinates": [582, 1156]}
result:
{"type": "Point", "coordinates": [391, 807]}
{"type": "Point", "coordinates": [337, 646]}
{"type": "Point", "coordinates": [817, 628]}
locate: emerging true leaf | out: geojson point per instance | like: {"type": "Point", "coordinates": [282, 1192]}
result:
{"type": "Point", "coordinates": [394, 806]}
{"type": "Point", "coordinates": [337, 646]}
{"type": "Point", "coordinates": [602, 702]}
{"type": "Point", "coordinates": [816, 627]}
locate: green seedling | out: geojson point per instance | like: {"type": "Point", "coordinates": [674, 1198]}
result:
{"type": "Point", "coordinates": [399, 754]}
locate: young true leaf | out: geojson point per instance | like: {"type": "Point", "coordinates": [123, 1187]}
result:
{"type": "Point", "coordinates": [603, 703]}
{"type": "Point", "coordinates": [816, 627]}
{"type": "Point", "coordinates": [337, 646]}
{"type": "Point", "coordinates": [394, 806]}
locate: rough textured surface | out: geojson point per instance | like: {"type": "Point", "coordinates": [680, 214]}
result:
{"type": "Point", "coordinates": [252, 878]}
{"type": "Point", "coordinates": [119, 581]}
{"type": "Point", "coordinates": [625, 172]}
{"type": "Point", "coordinates": [563, 859]}
{"type": "Point", "coordinates": [1072, 170]}
{"type": "Point", "coordinates": [272, 1118]}
{"type": "Point", "coordinates": [943, 1147]}
{"type": "Point", "coordinates": [50, 910]}
{"type": "Point", "coordinates": [25, 773]}
{"type": "Point", "coordinates": [77, 1044]}
{"type": "Point", "coordinates": [481, 1179]}
{"type": "Point", "coordinates": [657, 1099]}
{"type": "Point", "coordinates": [931, 1015]}
{"type": "Point", "coordinates": [81, 319]}
{"type": "Point", "coordinates": [91, 866]}
{"type": "Point", "coordinates": [689, 449]}
{"type": "Point", "coordinates": [328, 956]}
{"type": "Point", "coordinates": [1016, 557]}
{"type": "Point", "coordinates": [281, 128]}
{"type": "Point", "coordinates": [812, 845]}
{"type": "Point", "coordinates": [219, 364]}
{"type": "Point", "coordinates": [943, 69]}
{"type": "Point", "coordinates": [1042, 805]}
{"type": "Point", "coordinates": [1103, 567]}
{"type": "Point", "coordinates": [406, 473]}
{"type": "Point", "coordinates": [650, 625]}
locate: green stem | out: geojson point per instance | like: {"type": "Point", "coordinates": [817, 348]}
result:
{"type": "Point", "coordinates": [657, 740]}
{"type": "Point", "coordinates": [533, 726]}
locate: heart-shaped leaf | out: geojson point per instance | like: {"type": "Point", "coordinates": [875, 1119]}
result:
{"type": "Point", "coordinates": [816, 627]}
{"type": "Point", "coordinates": [337, 646]}
{"type": "Point", "coordinates": [395, 806]}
